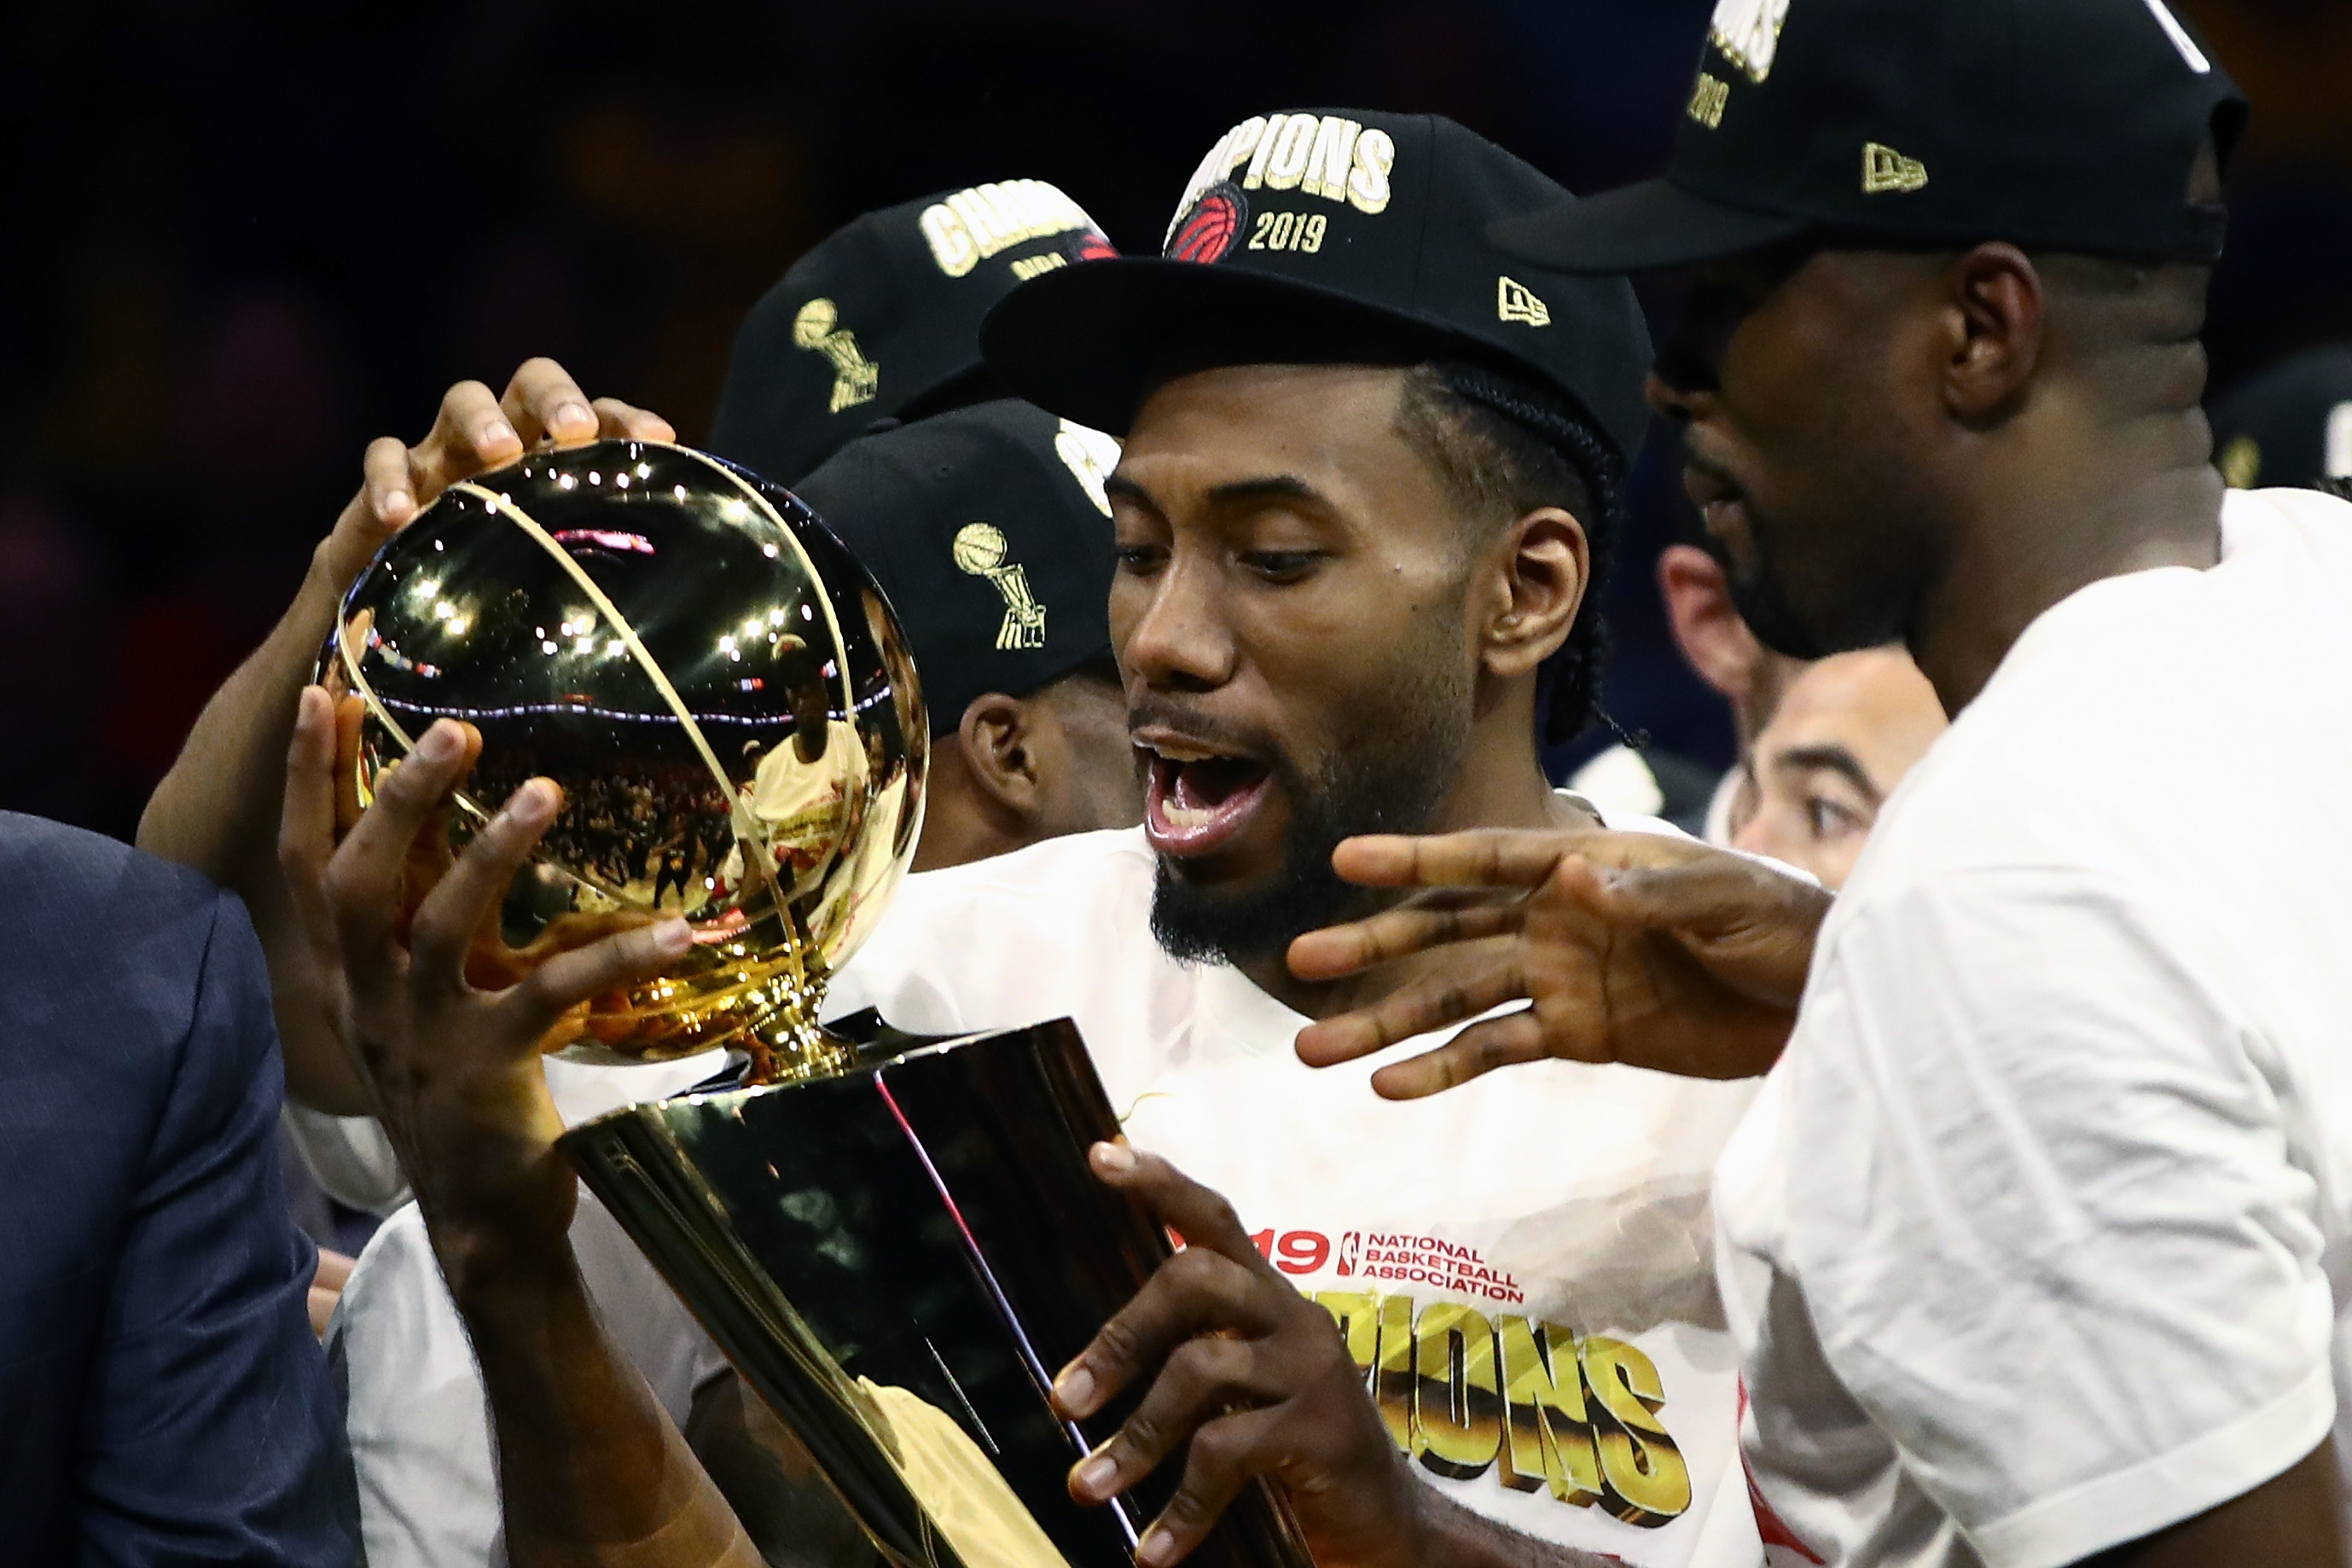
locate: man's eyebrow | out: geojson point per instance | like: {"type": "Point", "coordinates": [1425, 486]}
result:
{"type": "Point", "coordinates": [1117, 484]}
{"type": "Point", "coordinates": [1836, 759]}
{"type": "Point", "coordinates": [1233, 492]}
{"type": "Point", "coordinates": [1269, 487]}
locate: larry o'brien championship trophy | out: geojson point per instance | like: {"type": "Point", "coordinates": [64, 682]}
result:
{"type": "Point", "coordinates": [896, 1240]}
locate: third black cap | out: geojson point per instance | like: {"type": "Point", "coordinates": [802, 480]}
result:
{"type": "Point", "coordinates": [989, 532]}
{"type": "Point", "coordinates": [1329, 237]}
{"type": "Point", "coordinates": [881, 320]}
{"type": "Point", "coordinates": [2058, 124]}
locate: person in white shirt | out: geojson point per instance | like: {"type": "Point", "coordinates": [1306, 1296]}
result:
{"type": "Point", "coordinates": [2035, 1236]}
{"type": "Point", "coordinates": [1357, 518]}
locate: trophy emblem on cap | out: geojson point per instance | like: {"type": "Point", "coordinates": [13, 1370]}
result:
{"type": "Point", "coordinates": [855, 378]}
{"type": "Point", "coordinates": [980, 549]}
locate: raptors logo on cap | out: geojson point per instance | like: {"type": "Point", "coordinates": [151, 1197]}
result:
{"type": "Point", "coordinates": [1208, 232]}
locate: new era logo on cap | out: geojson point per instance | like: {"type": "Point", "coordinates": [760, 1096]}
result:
{"type": "Point", "coordinates": [1883, 169]}
{"type": "Point", "coordinates": [1514, 302]}
{"type": "Point", "coordinates": [2057, 124]}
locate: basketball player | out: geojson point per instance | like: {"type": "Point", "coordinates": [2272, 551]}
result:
{"type": "Point", "coordinates": [1369, 469]}
{"type": "Point", "coordinates": [2034, 1237]}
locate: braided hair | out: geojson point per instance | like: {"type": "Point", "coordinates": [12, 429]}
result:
{"type": "Point", "coordinates": [1505, 448]}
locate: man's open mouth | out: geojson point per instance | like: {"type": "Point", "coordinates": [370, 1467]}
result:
{"type": "Point", "coordinates": [1196, 799]}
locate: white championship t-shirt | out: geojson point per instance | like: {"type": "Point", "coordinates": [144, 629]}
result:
{"type": "Point", "coordinates": [2029, 1238]}
{"type": "Point", "coordinates": [1523, 1266]}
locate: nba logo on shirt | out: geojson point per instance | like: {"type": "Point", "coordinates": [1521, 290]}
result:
{"type": "Point", "coordinates": [1351, 1245]}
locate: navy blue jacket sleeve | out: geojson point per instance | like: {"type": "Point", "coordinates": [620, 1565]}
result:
{"type": "Point", "coordinates": [162, 1398]}
{"type": "Point", "coordinates": [211, 1433]}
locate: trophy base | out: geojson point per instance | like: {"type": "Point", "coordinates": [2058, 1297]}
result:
{"type": "Point", "coordinates": [897, 1259]}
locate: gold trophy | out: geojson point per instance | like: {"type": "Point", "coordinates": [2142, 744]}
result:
{"type": "Point", "coordinates": [896, 1240]}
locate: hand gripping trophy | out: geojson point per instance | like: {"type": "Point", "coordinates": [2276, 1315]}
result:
{"type": "Point", "coordinates": [893, 1238]}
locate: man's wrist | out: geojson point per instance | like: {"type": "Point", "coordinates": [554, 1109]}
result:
{"type": "Point", "coordinates": [1445, 1534]}
{"type": "Point", "coordinates": [492, 1272]}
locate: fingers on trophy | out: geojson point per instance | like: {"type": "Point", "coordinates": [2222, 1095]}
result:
{"type": "Point", "coordinates": [894, 1239]}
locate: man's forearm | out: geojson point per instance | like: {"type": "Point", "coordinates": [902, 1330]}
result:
{"type": "Point", "coordinates": [591, 1472]}
{"type": "Point", "coordinates": [217, 810]}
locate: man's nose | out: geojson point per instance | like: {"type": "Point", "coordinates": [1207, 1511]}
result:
{"type": "Point", "coordinates": [1672, 400]}
{"type": "Point", "coordinates": [1179, 641]}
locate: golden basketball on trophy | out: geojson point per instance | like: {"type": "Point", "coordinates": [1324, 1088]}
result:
{"type": "Point", "coordinates": [893, 1239]}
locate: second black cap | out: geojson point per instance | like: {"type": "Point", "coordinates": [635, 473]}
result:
{"type": "Point", "coordinates": [2061, 125]}
{"type": "Point", "coordinates": [881, 320]}
{"type": "Point", "coordinates": [1329, 237]}
{"type": "Point", "coordinates": [989, 532]}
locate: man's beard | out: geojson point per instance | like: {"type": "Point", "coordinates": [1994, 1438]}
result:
{"type": "Point", "coordinates": [1390, 773]}
{"type": "Point", "coordinates": [1756, 595]}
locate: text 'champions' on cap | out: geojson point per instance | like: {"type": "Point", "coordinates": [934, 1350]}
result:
{"type": "Point", "coordinates": [2072, 125]}
{"type": "Point", "coordinates": [1329, 237]}
{"type": "Point", "coordinates": [880, 320]}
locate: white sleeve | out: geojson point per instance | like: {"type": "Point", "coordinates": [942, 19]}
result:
{"type": "Point", "coordinates": [2045, 1220]}
{"type": "Point", "coordinates": [350, 1158]}
{"type": "Point", "coordinates": [419, 1428]}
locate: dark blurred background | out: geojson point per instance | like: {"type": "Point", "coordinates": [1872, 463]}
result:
{"type": "Point", "coordinates": [238, 237]}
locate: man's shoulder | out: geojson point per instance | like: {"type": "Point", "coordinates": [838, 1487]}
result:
{"type": "Point", "coordinates": [2134, 712]}
{"type": "Point", "coordinates": [1011, 940]}
{"type": "Point", "coordinates": [104, 948]}
{"type": "Point", "coordinates": [59, 877]}
{"type": "Point", "coordinates": [1113, 865]}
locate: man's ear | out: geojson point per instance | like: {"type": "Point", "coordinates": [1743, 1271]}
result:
{"type": "Point", "coordinates": [1001, 749]}
{"type": "Point", "coordinates": [1992, 333]}
{"type": "Point", "coordinates": [1545, 563]}
{"type": "Point", "coordinates": [1707, 626]}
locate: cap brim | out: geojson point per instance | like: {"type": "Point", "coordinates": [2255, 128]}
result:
{"type": "Point", "coordinates": [1086, 341]}
{"type": "Point", "coordinates": [1640, 229]}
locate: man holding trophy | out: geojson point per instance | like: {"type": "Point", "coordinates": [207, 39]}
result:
{"type": "Point", "coordinates": [1368, 479]}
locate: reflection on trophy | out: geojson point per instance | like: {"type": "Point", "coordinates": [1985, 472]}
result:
{"type": "Point", "coordinates": [894, 1240]}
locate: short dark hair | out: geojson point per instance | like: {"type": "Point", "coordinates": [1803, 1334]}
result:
{"type": "Point", "coordinates": [1503, 449]}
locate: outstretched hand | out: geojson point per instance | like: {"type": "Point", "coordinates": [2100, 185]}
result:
{"type": "Point", "coordinates": [1628, 947]}
{"type": "Point", "coordinates": [475, 432]}
{"type": "Point", "coordinates": [455, 1070]}
{"type": "Point", "coordinates": [1248, 1370]}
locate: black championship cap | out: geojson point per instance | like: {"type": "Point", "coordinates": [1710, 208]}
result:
{"type": "Point", "coordinates": [2291, 426]}
{"type": "Point", "coordinates": [1329, 237]}
{"type": "Point", "coordinates": [988, 530]}
{"type": "Point", "coordinates": [881, 320]}
{"type": "Point", "coordinates": [2057, 124]}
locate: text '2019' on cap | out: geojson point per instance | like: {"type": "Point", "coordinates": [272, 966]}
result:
{"type": "Point", "coordinates": [1329, 237]}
